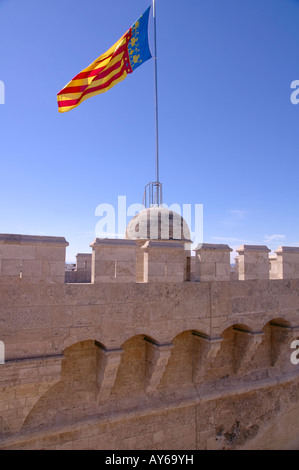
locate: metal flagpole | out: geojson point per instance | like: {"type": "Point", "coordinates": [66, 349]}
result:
{"type": "Point", "coordinates": [156, 91]}
{"type": "Point", "coordinates": [154, 190]}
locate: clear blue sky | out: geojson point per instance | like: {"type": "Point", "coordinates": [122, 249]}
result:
{"type": "Point", "coordinates": [229, 134]}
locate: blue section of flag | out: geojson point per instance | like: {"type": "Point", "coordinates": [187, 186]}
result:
{"type": "Point", "coordinates": [138, 47]}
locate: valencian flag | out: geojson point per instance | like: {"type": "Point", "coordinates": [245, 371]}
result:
{"type": "Point", "coordinates": [128, 53]}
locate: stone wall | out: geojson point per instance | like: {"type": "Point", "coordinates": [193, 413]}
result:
{"type": "Point", "coordinates": [32, 258]}
{"type": "Point", "coordinates": [144, 365]}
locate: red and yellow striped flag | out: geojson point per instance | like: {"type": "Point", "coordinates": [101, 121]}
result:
{"type": "Point", "coordinates": [128, 53]}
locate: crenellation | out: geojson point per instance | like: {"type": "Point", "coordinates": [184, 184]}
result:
{"type": "Point", "coordinates": [113, 260]}
{"type": "Point", "coordinates": [32, 258]}
{"type": "Point", "coordinates": [287, 263]}
{"type": "Point", "coordinates": [163, 261]}
{"type": "Point", "coordinates": [83, 261]}
{"type": "Point", "coordinates": [212, 262]}
{"type": "Point", "coordinates": [43, 258]}
{"type": "Point", "coordinates": [253, 262]}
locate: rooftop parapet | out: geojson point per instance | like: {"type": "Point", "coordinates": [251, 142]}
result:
{"type": "Point", "coordinates": [164, 261]}
{"type": "Point", "coordinates": [212, 262]}
{"type": "Point", "coordinates": [253, 262]}
{"type": "Point", "coordinates": [287, 263]}
{"type": "Point", "coordinates": [32, 258]}
{"type": "Point", "coordinates": [113, 260]}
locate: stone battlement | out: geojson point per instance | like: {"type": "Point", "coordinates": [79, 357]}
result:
{"type": "Point", "coordinates": [37, 259]}
{"type": "Point", "coordinates": [32, 258]}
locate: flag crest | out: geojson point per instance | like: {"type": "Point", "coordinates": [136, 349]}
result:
{"type": "Point", "coordinates": [128, 53]}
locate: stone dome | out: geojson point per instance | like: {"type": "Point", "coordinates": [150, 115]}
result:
{"type": "Point", "coordinates": [158, 223]}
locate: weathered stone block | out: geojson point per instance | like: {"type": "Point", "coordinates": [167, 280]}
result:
{"type": "Point", "coordinates": [105, 268]}
{"type": "Point", "coordinates": [11, 267]}
{"type": "Point", "coordinates": [24, 257]}
{"type": "Point", "coordinates": [113, 261]}
{"type": "Point", "coordinates": [83, 261]}
{"type": "Point", "coordinates": [33, 268]}
{"type": "Point", "coordinates": [164, 261]}
{"type": "Point", "coordinates": [212, 262]}
{"type": "Point", "coordinates": [13, 251]}
{"type": "Point", "coordinates": [253, 261]}
{"type": "Point", "coordinates": [287, 264]}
